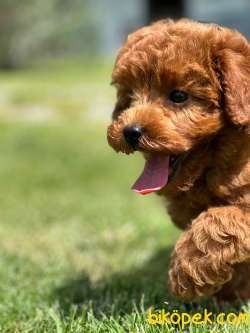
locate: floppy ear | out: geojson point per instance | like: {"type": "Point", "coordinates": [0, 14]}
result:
{"type": "Point", "coordinates": [234, 76]}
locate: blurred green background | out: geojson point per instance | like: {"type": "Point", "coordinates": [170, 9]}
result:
{"type": "Point", "coordinates": [79, 251]}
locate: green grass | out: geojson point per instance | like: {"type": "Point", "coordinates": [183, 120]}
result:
{"type": "Point", "coordinates": [79, 251]}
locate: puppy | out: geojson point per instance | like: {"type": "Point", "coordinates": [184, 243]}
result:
{"type": "Point", "coordinates": [183, 100]}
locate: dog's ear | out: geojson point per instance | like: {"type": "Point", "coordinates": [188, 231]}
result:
{"type": "Point", "coordinates": [233, 66]}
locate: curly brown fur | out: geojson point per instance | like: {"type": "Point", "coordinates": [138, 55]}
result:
{"type": "Point", "coordinates": [210, 197]}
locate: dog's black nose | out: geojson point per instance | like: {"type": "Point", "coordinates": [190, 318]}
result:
{"type": "Point", "coordinates": [132, 134]}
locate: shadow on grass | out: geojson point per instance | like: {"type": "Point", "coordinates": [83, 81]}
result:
{"type": "Point", "coordinates": [123, 293]}
{"type": "Point", "coordinates": [119, 293]}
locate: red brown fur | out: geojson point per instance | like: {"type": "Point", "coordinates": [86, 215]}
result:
{"type": "Point", "coordinates": [210, 197]}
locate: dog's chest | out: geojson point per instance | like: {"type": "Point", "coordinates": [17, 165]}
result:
{"type": "Point", "coordinates": [184, 206]}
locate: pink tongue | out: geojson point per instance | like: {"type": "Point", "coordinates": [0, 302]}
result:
{"type": "Point", "coordinates": [154, 176]}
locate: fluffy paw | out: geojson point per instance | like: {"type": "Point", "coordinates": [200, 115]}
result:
{"type": "Point", "coordinates": [191, 279]}
{"type": "Point", "coordinates": [194, 274]}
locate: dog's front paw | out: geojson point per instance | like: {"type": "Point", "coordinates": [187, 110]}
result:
{"type": "Point", "coordinates": [180, 283]}
{"type": "Point", "coordinates": [193, 273]}
{"type": "Point", "coordinates": [189, 280]}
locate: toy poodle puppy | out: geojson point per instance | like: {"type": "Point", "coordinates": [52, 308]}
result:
{"type": "Point", "coordinates": [183, 100]}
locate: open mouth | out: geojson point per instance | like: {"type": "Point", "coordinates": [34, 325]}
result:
{"type": "Point", "coordinates": [158, 171]}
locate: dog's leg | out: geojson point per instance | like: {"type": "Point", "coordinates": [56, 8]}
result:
{"type": "Point", "coordinates": [239, 286]}
{"type": "Point", "coordinates": [204, 256]}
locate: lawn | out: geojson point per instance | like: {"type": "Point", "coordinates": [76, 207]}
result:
{"type": "Point", "coordinates": [80, 252]}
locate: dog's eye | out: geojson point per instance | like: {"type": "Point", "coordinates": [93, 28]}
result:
{"type": "Point", "coordinates": [178, 96]}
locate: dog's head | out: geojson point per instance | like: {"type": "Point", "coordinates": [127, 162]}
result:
{"type": "Point", "coordinates": [178, 84]}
